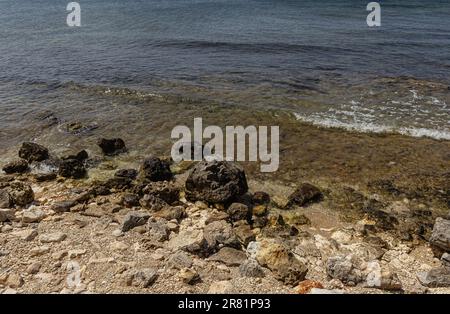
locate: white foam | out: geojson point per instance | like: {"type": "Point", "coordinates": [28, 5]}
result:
{"type": "Point", "coordinates": [368, 127]}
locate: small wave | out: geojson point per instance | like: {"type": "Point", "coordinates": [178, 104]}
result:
{"type": "Point", "coordinates": [367, 127]}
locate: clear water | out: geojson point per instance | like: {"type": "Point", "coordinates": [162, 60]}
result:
{"type": "Point", "coordinates": [318, 59]}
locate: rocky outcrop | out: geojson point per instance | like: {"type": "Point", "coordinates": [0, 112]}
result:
{"type": "Point", "coordinates": [33, 152]}
{"type": "Point", "coordinates": [216, 182]}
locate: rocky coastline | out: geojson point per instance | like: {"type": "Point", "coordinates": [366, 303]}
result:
{"type": "Point", "coordinates": [206, 227]}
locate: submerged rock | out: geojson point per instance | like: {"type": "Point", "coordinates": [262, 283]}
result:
{"type": "Point", "coordinates": [80, 156]}
{"type": "Point", "coordinates": [33, 152]}
{"type": "Point", "coordinates": [111, 147]}
{"type": "Point", "coordinates": [304, 194]}
{"type": "Point", "coordinates": [216, 182]}
{"type": "Point", "coordinates": [17, 166]}
{"type": "Point", "coordinates": [126, 173]}
{"type": "Point", "coordinates": [72, 168]}
{"type": "Point", "coordinates": [155, 169]}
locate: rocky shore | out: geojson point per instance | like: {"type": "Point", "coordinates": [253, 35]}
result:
{"type": "Point", "coordinates": [207, 228]}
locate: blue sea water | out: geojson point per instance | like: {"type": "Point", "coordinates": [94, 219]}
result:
{"type": "Point", "coordinates": [318, 59]}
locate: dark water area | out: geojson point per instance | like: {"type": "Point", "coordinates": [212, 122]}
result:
{"type": "Point", "coordinates": [130, 59]}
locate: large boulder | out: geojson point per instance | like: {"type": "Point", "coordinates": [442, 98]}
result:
{"type": "Point", "coordinates": [111, 147]}
{"type": "Point", "coordinates": [17, 166]}
{"type": "Point", "coordinates": [441, 234]}
{"type": "Point", "coordinates": [155, 169]}
{"type": "Point", "coordinates": [274, 255]}
{"type": "Point", "coordinates": [33, 152]}
{"type": "Point", "coordinates": [216, 182]}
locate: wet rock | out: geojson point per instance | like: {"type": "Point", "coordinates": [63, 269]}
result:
{"type": "Point", "coordinates": [20, 193]}
{"type": "Point", "coordinates": [229, 256]}
{"type": "Point", "coordinates": [33, 152]}
{"type": "Point", "coordinates": [158, 230]}
{"type": "Point", "coordinates": [118, 183]}
{"type": "Point", "coordinates": [220, 233]}
{"type": "Point", "coordinates": [435, 278]}
{"type": "Point", "coordinates": [126, 173]}
{"type": "Point", "coordinates": [63, 206]}
{"type": "Point", "coordinates": [440, 236]}
{"type": "Point", "coordinates": [72, 168]}
{"type": "Point", "coordinates": [189, 276]}
{"type": "Point", "coordinates": [134, 219]}
{"type": "Point", "coordinates": [169, 213]}
{"type": "Point", "coordinates": [111, 147]}
{"type": "Point", "coordinates": [7, 214]}
{"type": "Point", "coordinates": [152, 203]}
{"type": "Point", "coordinates": [130, 200]}
{"type": "Point", "coordinates": [244, 234]}
{"type": "Point", "coordinates": [43, 177]}
{"type": "Point", "coordinates": [238, 211]}
{"type": "Point", "coordinates": [251, 268]}
{"type": "Point", "coordinates": [216, 182]}
{"type": "Point", "coordinates": [17, 166]}
{"type": "Point", "coordinates": [274, 255]}
{"type": "Point", "coordinates": [164, 190]}
{"type": "Point", "coordinates": [155, 169]}
{"type": "Point", "coordinates": [5, 199]}
{"type": "Point", "coordinates": [80, 156]}
{"type": "Point", "coordinates": [32, 216]}
{"type": "Point", "coordinates": [305, 193]}
{"type": "Point", "coordinates": [143, 278]}
{"type": "Point", "coordinates": [381, 278]}
{"type": "Point", "coordinates": [342, 268]}
{"type": "Point", "coordinates": [52, 237]}
{"type": "Point", "coordinates": [260, 198]}
{"type": "Point", "coordinates": [180, 260]}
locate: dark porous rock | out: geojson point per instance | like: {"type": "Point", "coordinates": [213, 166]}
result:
{"type": "Point", "coordinates": [63, 206]}
{"type": "Point", "coordinates": [260, 198]}
{"type": "Point", "coordinates": [276, 256]}
{"type": "Point", "coordinates": [152, 202]}
{"type": "Point", "coordinates": [229, 256]}
{"type": "Point", "coordinates": [130, 200]}
{"type": "Point", "coordinates": [43, 177]}
{"type": "Point", "coordinates": [33, 152]}
{"type": "Point", "coordinates": [5, 199]}
{"type": "Point", "coordinates": [72, 168]}
{"type": "Point", "coordinates": [100, 190]}
{"type": "Point", "coordinates": [111, 147]}
{"type": "Point", "coordinates": [216, 216]}
{"type": "Point", "coordinates": [134, 219]}
{"type": "Point", "coordinates": [342, 268]}
{"type": "Point", "coordinates": [17, 166]}
{"type": "Point", "coordinates": [440, 236]}
{"type": "Point", "coordinates": [21, 193]}
{"type": "Point", "coordinates": [238, 211]}
{"type": "Point", "coordinates": [164, 190]}
{"type": "Point", "coordinates": [216, 182]}
{"type": "Point", "coordinates": [80, 156]}
{"type": "Point", "coordinates": [251, 268]}
{"type": "Point", "coordinates": [126, 173]}
{"type": "Point", "coordinates": [220, 233]}
{"type": "Point", "coordinates": [169, 213]}
{"type": "Point", "coordinates": [158, 230]}
{"type": "Point", "coordinates": [155, 169]}
{"type": "Point", "coordinates": [304, 194]}
{"type": "Point", "coordinates": [435, 278]}
{"type": "Point", "coordinates": [118, 183]}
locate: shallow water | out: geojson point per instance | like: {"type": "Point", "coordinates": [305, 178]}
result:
{"type": "Point", "coordinates": [139, 65]}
